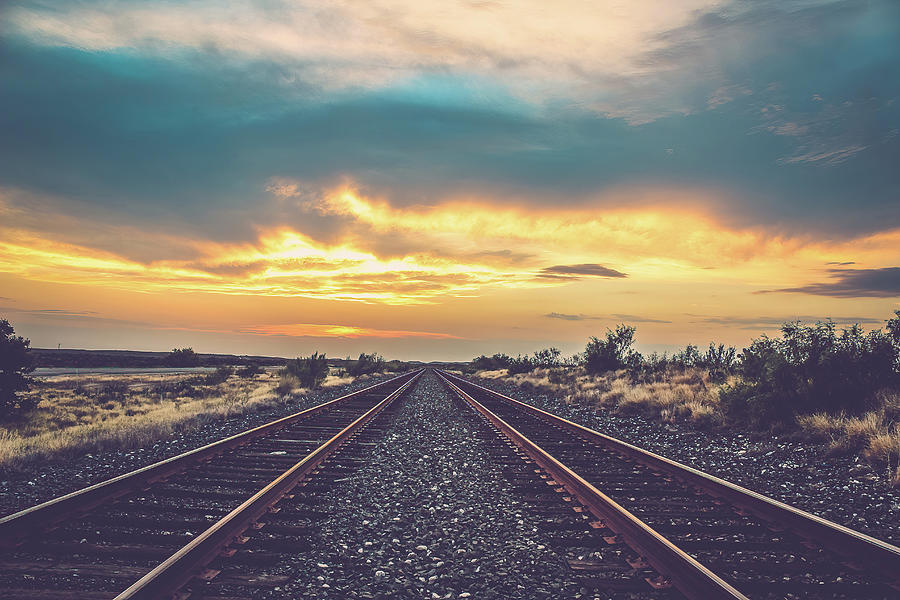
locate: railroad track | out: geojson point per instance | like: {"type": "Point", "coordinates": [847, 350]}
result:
{"type": "Point", "coordinates": [147, 533]}
{"type": "Point", "coordinates": [702, 536]}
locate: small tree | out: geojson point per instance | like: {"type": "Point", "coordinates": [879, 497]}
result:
{"type": "Point", "coordinates": [16, 362]}
{"type": "Point", "coordinates": [182, 357]}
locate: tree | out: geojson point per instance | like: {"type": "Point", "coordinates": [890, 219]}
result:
{"type": "Point", "coordinates": [182, 357]}
{"type": "Point", "coordinates": [16, 362]}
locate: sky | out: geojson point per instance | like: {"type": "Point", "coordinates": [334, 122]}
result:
{"type": "Point", "coordinates": [437, 180]}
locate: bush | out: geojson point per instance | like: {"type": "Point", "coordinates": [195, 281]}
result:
{"type": "Point", "coordinates": [16, 362]}
{"type": "Point", "coordinates": [491, 363]}
{"type": "Point", "coordinates": [366, 364]}
{"type": "Point", "coordinates": [310, 371]}
{"type": "Point", "coordinates": [218, 376]}
{"type": "Point", "coordinates": [395, 366]}
{"type": "Point", "coordinates": [813, 369]}
{"type": "Point", "coordinates": [113, 391]}
{"type": "Point", "coordinates": [250, 371]}
{"type": "Point", "coordinates": [613, 353]}
{"type": "Point", "coordinates": [287, 383]}
{"type": "Point", "coordinates": [178, 389]}
{"type": "Point", "coordinates": [520, 364]}
{"type": "Point", "coordinates": [546, 358]}
{"type": "Point", "coordinates": [182, 357]}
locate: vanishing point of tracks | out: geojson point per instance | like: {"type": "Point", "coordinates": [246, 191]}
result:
{"type": "Point", "coordinates": [631, 523]}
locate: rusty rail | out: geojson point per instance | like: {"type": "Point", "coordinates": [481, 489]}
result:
{"type": "Point", "coordinates": [858, 548]}
{"type": "Point", "coordinates": [26, 522]}
{"type": "Point", "coordinates": [182, 566]}
{"type": "Point", "coordinates": [685, 573]}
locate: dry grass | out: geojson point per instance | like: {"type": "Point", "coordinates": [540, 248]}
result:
{"type": "Point", "coordinates": [83, 414]}
{"type": "Point", "coordinates": [874, 435]}
{"type": "Point", "coordinates": [691, 396]}
{"type": "Point", "coordinates": [687, 396]}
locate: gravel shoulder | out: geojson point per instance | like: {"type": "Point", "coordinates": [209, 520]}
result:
{"type": "Point", "coordinates": [20, 489]}
{"type": "Point", "coordinates": [842, 489]}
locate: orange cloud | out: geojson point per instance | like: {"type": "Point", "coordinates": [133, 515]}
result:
{"type": "Point", "coordinates": [342, 331]}
{"type": "Point", "coordinates": [460, 248]}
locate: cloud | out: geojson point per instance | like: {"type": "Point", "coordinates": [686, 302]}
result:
{"type": "Point", "coordinates": [575, 271]}
{"type": "Point", "coordinates": [437, 135]}
{"type": "Point", "coordinates": [853, 283]}
{"type": "Point", "coordinates": [826, 156]}
{"type": "Point", "coordinates": [347, 46]}
{"type": "Point", "coordinates": [212, 103]}
{"type": "Point", "coordinates": [765, 322]}
{"type": "Point", "coordinates": [615, 316]}
{"type": "Point", "coordinates": [341, 331]}
{"type": "Point", "coordinates": [388, 254]}
{"type": "Point", "coordinates": [72, 317]}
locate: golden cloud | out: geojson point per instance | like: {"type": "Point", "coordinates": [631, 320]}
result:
{"type": "Point", "coordinates": [460, 248]}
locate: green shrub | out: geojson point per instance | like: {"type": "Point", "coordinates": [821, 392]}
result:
{"type": "Point", "coordinates": [16, 363]}
{"type": "Point", "coordinates": [546, 358]}
{"type": "Point", "coordinates": [250, 371]}
{"type": "Point", "coordinates": [182, 357]}
{"type": "Point", "coordinates": [395, 366]}
{"type": "Point", "coordinates": [178, 389]}
{"type": "Point", "coordinates": [310, 371]}
{"type": "Point", "coordinates": [813, 369]}
{"type": "Point", "coordinates": [114, 391]}
{"type": "Point", "coordinates": [366, 364]}
{"type": "Point", "coordinates": [613, 353]}
{"type": "Point", "coordinates": [219, 376]}
{"type": "Point", "coordinates": [520, 364]}
{"type": "Point", "coordinates": [491, 363]}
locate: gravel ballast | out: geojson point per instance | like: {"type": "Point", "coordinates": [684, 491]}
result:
{"type": "Point", "coordinates": [20, 489]}
{"type": "Point", "coordinates": [842, 489]}
{"type": "Point", "coordinates": [429, 516]}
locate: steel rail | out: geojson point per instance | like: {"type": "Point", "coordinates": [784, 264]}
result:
{"type": "Point", "coordinates": [182, 566]}
{"type": "Point", "coordinates": [16, 526]}
{"type": "Point", "coordinates": [858, 548]}
{"type": "Point", "coordinates": [686, 574]}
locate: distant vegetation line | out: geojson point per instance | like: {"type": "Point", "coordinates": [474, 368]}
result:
{"type": "Point", "coordinates": [840, 387]}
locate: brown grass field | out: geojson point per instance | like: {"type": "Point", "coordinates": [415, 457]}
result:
{"type": "Point", "coordinates": [87, 413]}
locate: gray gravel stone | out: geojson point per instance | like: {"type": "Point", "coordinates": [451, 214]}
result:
{"type": "Point", "coordinates": [430, 516]}
{"type": "Point", "coordinates": [842, 489]}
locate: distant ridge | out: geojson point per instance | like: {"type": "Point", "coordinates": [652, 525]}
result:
{"type": "Point", "coordinates": [66, 357]}
{"type": "Point", "coordinates": [71, 357]}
